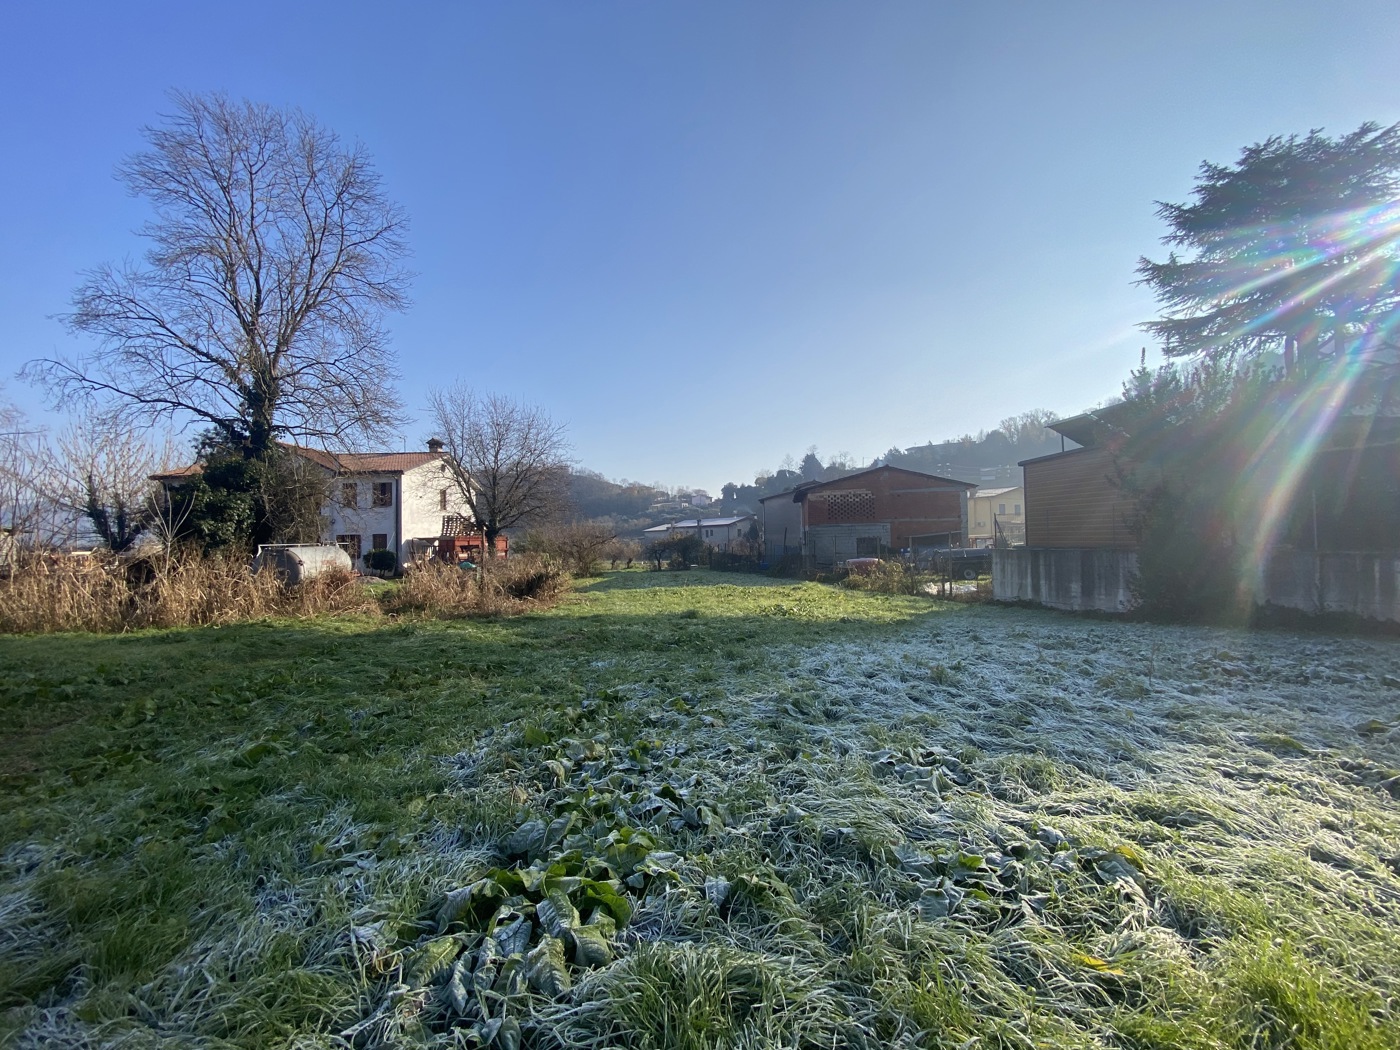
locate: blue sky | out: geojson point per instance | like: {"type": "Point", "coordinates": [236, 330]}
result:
{"type": "Point", "coordinates": [707, 235]}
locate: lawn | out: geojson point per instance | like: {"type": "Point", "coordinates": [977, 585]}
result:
{"type": "Point", "coordinates": [694, 810]}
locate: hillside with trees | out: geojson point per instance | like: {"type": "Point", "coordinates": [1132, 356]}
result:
{"type": "Point", "coordinates": [989, 457]}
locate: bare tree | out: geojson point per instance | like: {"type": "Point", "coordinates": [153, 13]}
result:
{"type": "Point", "coordinates": [1028, 427]}
{"type": "Point", "coordinates": [103, 473]}
{"type": "Point", "coordinates": [30, 514]}
{"type": "Point", "coordinates": [274, 255]}
{"type": "Point", "coordinates": [507, 458]}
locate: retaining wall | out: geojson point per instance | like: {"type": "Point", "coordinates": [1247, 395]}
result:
{"type": "Point", "coordinates": [1064, 579]}
{"type": "Point", "coordinates": [1362, 583]}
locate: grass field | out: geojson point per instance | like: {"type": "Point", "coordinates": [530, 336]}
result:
{"type": "Point", "coordinates": [696, 810]}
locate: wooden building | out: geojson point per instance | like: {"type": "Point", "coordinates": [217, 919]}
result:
{"type": "Point", "coordinates": [1072, 499]}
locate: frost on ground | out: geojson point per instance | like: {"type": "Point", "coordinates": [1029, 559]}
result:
{"type": "Point", "coordinates": [945, 827]}
{"type": "Point", "coordinates": [1002, 829]}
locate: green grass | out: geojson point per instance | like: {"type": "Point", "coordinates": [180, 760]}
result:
{"type": "Point", "coordinates": [767, 815]}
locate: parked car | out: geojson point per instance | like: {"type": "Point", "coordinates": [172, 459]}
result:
{"type": "Point", "coordinates": [959, 562]}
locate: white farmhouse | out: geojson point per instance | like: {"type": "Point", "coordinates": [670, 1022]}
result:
{"type": "Point", "coordinates": [386, 500]}
{"type": "Point", "coordinates": [377, 500]}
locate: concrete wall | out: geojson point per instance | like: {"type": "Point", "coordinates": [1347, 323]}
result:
{"type": "Point", "coordinates": [422, 490]}
{"type": "Point", "coordinates": [827, 545]}
{"type": "Point", "coordinates": [1064, 579]}
{"type": "Point", "coordinates": [1364, 584]}
{"type": "Point", "coordinates": [1360, 583]}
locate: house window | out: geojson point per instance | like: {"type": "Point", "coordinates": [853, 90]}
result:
{"type": "Point", "coordinates": [349, 494]}
{"type": "Point", "coordinates": [442, 500]}
{"type": "Point", "coordinates": [383, 494]}
{"type": "Point", "coordinates": [709, 532]}
{"type": "Point", "coordinates": [1018, 509]}
{"type": "Point", "coordinates": [380, 541]}
{"type": "Point", "coordinates": [867, 546]}
{"type": "Point", "coordinates": [350, 542]}
{"type": "Point", "coordinates": [1001, 508]}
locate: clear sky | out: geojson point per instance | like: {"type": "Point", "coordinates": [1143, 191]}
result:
{"type": "Point", "coordinates": [709, 234]}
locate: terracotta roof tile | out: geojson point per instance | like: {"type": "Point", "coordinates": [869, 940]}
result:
{"type": "Point", "coordinates": [339, 463]}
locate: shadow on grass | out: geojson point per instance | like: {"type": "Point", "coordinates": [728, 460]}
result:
{"type": "Point", "coordinates": [70, 698]}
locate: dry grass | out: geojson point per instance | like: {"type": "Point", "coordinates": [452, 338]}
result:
{"type": "Point", "coordinates": [493, 588]}
{"type": "Point", "coordinates": [106, 595]}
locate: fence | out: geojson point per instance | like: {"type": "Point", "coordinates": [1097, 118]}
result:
{"type": "Point", "coordinates": [730, 561]}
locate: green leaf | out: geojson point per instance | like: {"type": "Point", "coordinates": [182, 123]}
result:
{"type": "Point", "coordinates": [512, 933]}
{"type": "Point", "coordinates": [431, 960]}
{"type": "Point", "coordinates": [535, 736]}
{"type": "Point", "coordinates": [545, 969]}
{"type": "Point", "coordinates": [527, 840]}
{"type": "Point", "coordinates": [590, 945]}
{"type": "Point", "coordinates": [508, 1035]}
{"type": "Point", "coordinates": [1093, 962]}
{"type": "Point", "coordinates": [556, 913]}
{"type": "Point", "coordinates": [717, 889]}
{"type": "Point", "coordinates": [935, 904]}
{"type": "Point", "coordinates": [468, 900]}
{"type": "Point", "coordinates": [456, 993]}
{"type": "Point", "coordinates": [608, 897]}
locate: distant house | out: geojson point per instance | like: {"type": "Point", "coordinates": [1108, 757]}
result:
{"type": "Point", "coordinates": [376, 500]}
{"type": "Point", "coordinates": [720, 533]}
{"type": "Point", "coordinates": [874, 512]}
{"type": "Point", "coordinates": [996, 516]}
{"type": "Point", "coordinates": [681, 501]}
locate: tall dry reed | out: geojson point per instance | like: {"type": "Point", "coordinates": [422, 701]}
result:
{"type": "Point", "coordinates": [106, 595]}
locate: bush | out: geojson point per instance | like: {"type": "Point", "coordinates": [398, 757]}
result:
{"type": "Point", "coordinates": [680, 550]}
{"type": "Point", "coordinates": [889, 577]}
{"type": "Point", "coordinates": [578, 547]}
{"type": "Point", "coordinates": [381, 560]}
{"type": "Point", "coordinates": [496, 587]}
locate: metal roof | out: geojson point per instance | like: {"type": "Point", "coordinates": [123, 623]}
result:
{"type": "Point", "coordinates": [700, 523]}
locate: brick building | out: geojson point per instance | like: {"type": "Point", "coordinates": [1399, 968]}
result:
{"type": "Point", "coordinates": [878, 512]}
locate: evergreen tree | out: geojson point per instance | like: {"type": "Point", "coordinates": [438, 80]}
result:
{"type": "Point", "coordinates": [1295, 249]}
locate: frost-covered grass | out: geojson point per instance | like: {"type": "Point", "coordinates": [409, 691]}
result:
{"type": "Point", "coordinates": [689, 810]}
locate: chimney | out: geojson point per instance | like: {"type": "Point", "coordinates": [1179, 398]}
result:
{"type": "Point", "coordinates": [434, 445]}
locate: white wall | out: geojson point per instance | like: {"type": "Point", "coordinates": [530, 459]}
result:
{"type": "Point", "coordinates": [416, 508]}
{"type": "Point", "coordinates": [422, 501]}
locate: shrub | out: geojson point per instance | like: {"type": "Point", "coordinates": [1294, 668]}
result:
{"type": "Point", "coordinates": [381, 560]}
{"type": "Point", "coordinates": [889, 577]}
{"type": "Point", "coordinates": [578, 547]}
{"type": "Point", "coordinates": [678, 551]}
{"type": "Point", "coordinates": [496, 587]}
